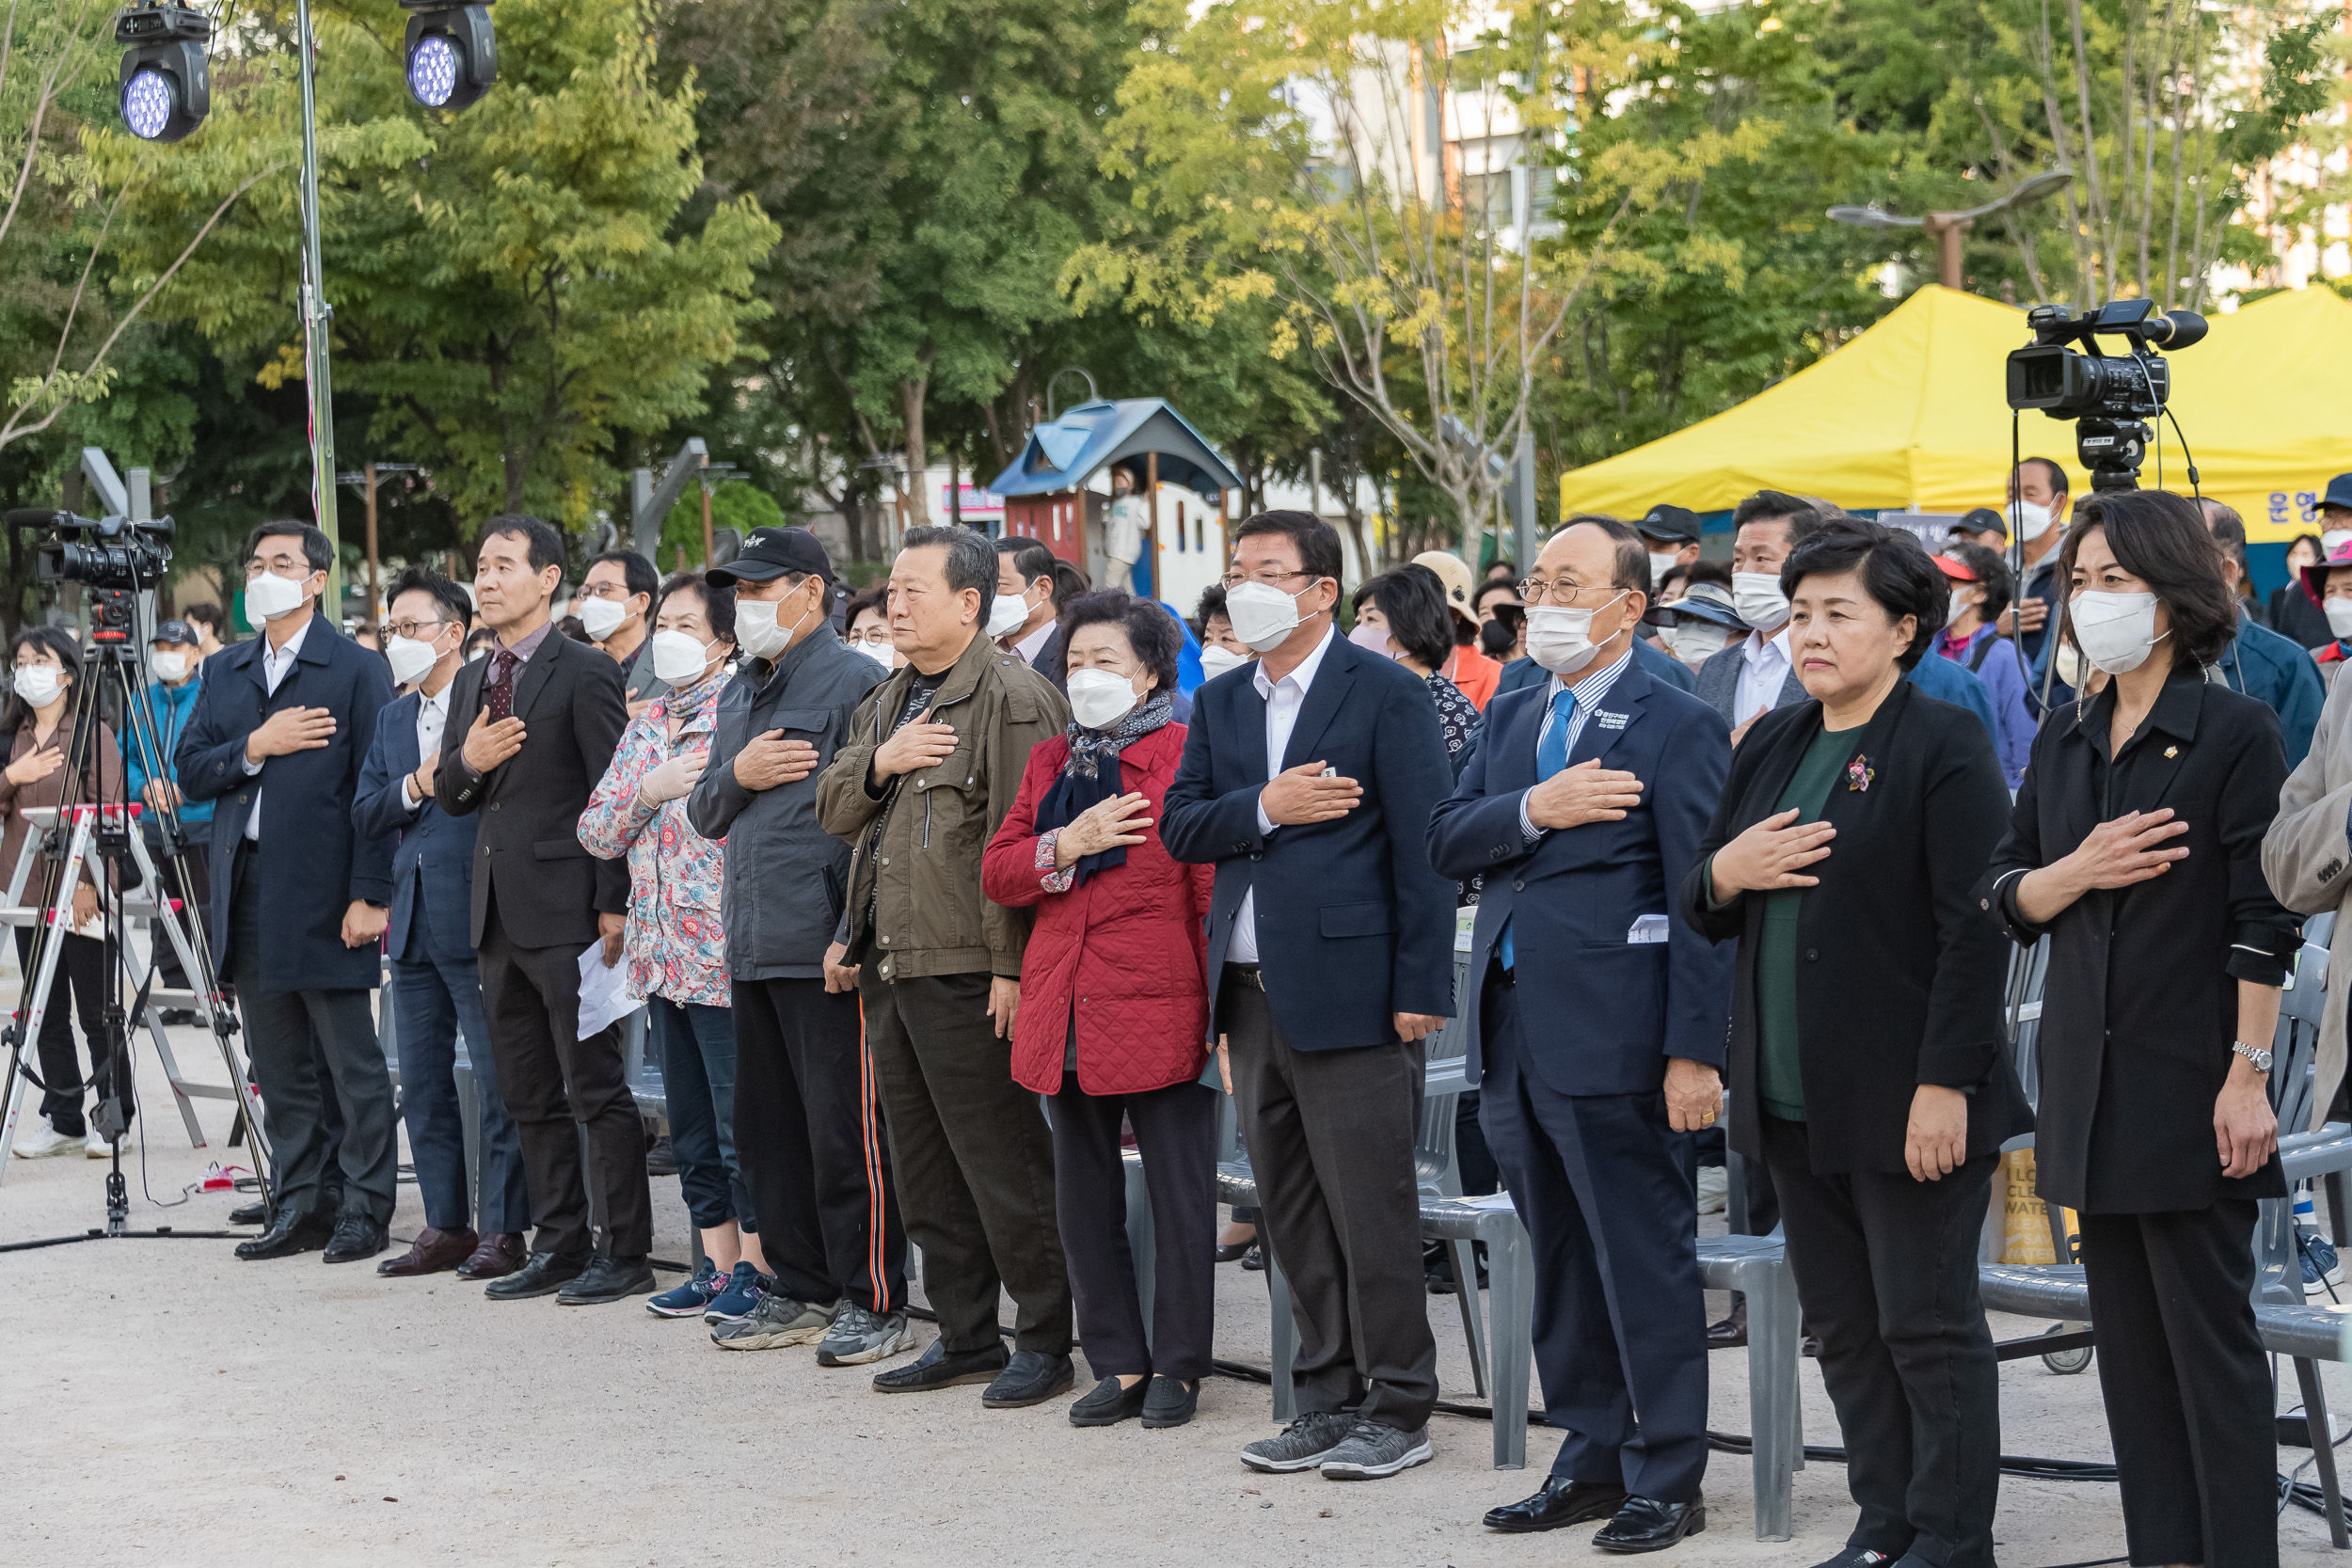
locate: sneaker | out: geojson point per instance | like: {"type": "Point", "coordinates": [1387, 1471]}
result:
{"type": "Point", "coordinates": [37, 1140]}
{"type": "Point", "coordinates": [95, 1146]}
{"type": "Point", "coordinates": [1299, 1446]}
{"type": "Point", "coordinates": [2321, 1268]}
{"type": "Point", "coordinates": [776, 1321]}
{"type": "Point", "coordinates": [860, 1335]}
{"type": "Point", "coordinates": [733, 1303]}
{"type": "Point", "coordinates": [690, 1299]}
{"type": "Point", "coordinates": [1714, 1189]}
{"type": "Point", "coordinates": [1371, 1450]}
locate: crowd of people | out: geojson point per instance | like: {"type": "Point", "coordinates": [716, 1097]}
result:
{"type": "Point", "coordinates": [943, 896]}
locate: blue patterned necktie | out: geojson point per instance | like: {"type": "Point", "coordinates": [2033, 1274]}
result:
{"type": "Point", "coordinates": [1551, 755]}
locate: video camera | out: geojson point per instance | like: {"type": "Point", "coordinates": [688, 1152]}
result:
{"type": "Point", "coordinates": [114, 557]}
{"type": "Point", "coordinates": [2114, 395]}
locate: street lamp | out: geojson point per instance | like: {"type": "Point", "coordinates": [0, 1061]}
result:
{"type": "Point", "coordinates": [1948, 227]}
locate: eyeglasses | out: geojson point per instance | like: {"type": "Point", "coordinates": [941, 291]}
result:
{"type": "Point", "coordinates": [283, 566]}
{"type": "Point", "coordinates": [421, 631]}
{"type": "Point", "coordinates": [1272, 579]}
{"type": "Point", "coordinates": [601, 591]}
{"type": "Point", "coordinates": [1561, 592]}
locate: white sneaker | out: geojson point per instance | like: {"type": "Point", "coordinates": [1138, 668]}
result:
{"type": "Point", "coordinates": [94, 1146]}
{"type": "Point", "coordinates": [37, 1140]}
{"type": "Point", "coordinates": [1714, 1189]}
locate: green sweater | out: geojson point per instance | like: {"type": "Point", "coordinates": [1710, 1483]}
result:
{"type": "Point", "coordinates": [1780, 1081]}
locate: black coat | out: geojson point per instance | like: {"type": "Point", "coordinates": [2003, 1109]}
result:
{"type": "Point", "coordinates": [2294, 617]}
{"type": "Point", "coordinates": [549, 888]}
{"type": "Point", "coordinates": [1900, 980]}
{"type": "Point", "coordinates": [315, 862]}
{"type": "Point", "coordinates": [2141, 1002]}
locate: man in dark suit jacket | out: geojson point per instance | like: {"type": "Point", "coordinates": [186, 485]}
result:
{"type": "Point", "coordinates": [435, 980]}
{"type": "Point", "coordinates": [1598, 1055]}
{"type": "Point", "coordinates": [298, 894]}
{"type": "Point", "coordinates": [1308, 780]}
{"type": "Point", "coordinates": [1025, 588]}
{"type": "Point", "coordinates": [538, 719]}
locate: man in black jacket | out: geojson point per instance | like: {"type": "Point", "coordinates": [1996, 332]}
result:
{"type": "Point", "coordinates": [540, 717]}
{"type": "Point", "coordinates": [807, 1124]}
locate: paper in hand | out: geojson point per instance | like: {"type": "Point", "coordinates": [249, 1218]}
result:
{"type": "Point", "coordinates": [603, 999]}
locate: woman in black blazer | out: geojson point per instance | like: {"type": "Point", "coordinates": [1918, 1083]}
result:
{"type": "Point", "coordinates": [1867, 1063]}
{"type": "Point", "coordinates": [2136, 845]}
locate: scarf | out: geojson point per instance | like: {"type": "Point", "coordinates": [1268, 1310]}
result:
{"type": "Point", "coordinates": [1090, 776]}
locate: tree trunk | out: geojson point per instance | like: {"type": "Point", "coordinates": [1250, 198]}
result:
{"type": "Point", "coordinates": [911, 413]}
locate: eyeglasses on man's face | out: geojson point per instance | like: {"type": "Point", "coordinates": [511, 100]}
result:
{"type": "Point", "coordinates": [1561, 592]}
{"type": "Point", "coordinates": [1271, 577]}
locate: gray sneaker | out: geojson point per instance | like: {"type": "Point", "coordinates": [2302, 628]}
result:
{"type": "Point", "coordinates": [860, 1335]}
{"type": "Point", "coordinates": [777, 1321]}
{"type": "Point", "coordinates": [1299, 1446]}
{"type": "Point", "coordinates": [1372, 1451]}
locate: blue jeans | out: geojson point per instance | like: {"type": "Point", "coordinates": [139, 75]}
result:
{"type": "Point", "coordinates": [697, 1046]}
{"type": "Point", "coordinates": [435, 1001]}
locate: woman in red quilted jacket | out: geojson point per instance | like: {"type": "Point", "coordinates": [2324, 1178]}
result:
{"type": "Point", "coordinates": [1114, 1010]}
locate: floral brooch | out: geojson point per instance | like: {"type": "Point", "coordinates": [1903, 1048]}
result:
{"type": "Point", "coordinates": [1859, 774]}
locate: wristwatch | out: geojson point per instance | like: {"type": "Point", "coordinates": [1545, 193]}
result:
{"type": "Point", "coordinates": [2254, 1054]}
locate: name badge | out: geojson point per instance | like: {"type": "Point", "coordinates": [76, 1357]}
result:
{"type": "Point", "coordinates": [1611, 720]}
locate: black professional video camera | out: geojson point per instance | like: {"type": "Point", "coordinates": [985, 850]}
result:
{"type": "Point", "coordinates": [113, 556]}
{"type": "Point", "coordinates": [2114, 395]}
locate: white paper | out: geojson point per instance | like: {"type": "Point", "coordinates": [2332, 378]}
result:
{"type": "Point", "coordinates": [603, 999]}
{"type": "Point", "coordinates": [1648, 927]}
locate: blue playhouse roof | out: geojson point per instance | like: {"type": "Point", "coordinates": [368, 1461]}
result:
{"type": "Point", "coordinates": [1063, 454]}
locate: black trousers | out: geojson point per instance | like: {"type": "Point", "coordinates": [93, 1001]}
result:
{"type": "Point", "coordinates": [77, 988]}
{"type": "Point", "coordinates": [556, 1083]}
{"type": "Point", "coordinates": [1330, 1136]}
{"type": "Point", "coordinates": [973, 1158]}
{"type": "Point", "coordinates": [291, 1035]}
{"type": "Point", "coordinates": [1886, 1273]}
{"type": "Point", "coordinates": [1176, 1134]}
{"type": "Point", "coordinates": [808, 1135]}
{"type": "Point", "coordinates": [2187, 1386]}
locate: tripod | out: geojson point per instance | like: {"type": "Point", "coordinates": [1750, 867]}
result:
{"type": "Point", "coordinates": [84, 830]}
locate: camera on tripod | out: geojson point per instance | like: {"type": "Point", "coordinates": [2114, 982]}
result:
{"type": "Point", "coordinates": [113, 553]}
{"type": "Point", "coordinates": [2113, 395]}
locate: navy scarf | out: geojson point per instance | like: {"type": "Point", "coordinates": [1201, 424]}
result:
{"type": "Point", "coordinates": [1090, 776]}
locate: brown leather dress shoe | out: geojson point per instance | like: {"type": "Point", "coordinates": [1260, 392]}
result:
{"type": "Point", "coordinates": [500, 1252]}
{"type": "Point", "coordinates": [431, 1252]}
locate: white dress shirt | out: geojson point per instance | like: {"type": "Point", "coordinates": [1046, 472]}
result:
{"type": "Point", "coordinates": [1764, 667]}
{"type": "Point", "coordinates": [276, 662]}
{"type": "Point", "coordinates": [432, 722]}
{"type": "Point", "coordinates": [1283, 699]}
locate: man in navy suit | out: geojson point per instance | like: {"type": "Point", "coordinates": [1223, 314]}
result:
{"type": "Point", "coordinates": [1307, 778]}
{"type": "Point", "coordinates": [1598, 1033]}
{"type": "Point", "coordinates": [299, 894]}
{"type": "Point", "coordinates": [435, 977]}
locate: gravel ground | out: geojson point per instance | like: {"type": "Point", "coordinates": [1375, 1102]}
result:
{"type": "Point", "coordinates": [170, 1404]}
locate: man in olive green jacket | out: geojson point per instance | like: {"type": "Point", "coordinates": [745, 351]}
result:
{"type": "Point", "coordinates": [932, 763]}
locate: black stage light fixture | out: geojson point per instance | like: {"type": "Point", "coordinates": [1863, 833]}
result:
{"type": "Point", "coordinates": [453, 53]}
{"type": "Point", "coordinates": [167, 86]}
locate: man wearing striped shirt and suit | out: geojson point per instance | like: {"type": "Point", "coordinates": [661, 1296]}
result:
{"type": "Point", "coordinates": [1596, 1033]}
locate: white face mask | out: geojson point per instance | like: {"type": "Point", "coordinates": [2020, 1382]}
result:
{"type": "Point", "coordinates": [39, 684]}
{"type": "Point", "coordinates": [1694, 641]}
{"type": "Point", "coordinates": [2339, 614]}
{"type": "Point", "coordinates": [1758, 598]}
{"type": "Point", "coordinates": [2029, 520]}
{"type": "Point", "coordinates": [172, 668]}
{"type": "Point", "coordinates": [1561, 640]}
{"type": "Point", "coordinates": [1660, 566]}
{"type": "Point", "coordinates": [1960, 606]}
{"type": "Point", "coordinates": [881, 653]}
{"type": "Point", "coordinates": [1262, 614]}
{"type": "Point", "coordinates": [1099, 698]}
{"type": "Point", "coordinates": [678, 658]}
{"type": "Point", "coordinates": [271, 598]}
{"type": "Point", "coordinates": [2116, 630]}
{"type": "Point", "coordinates": [1005, 614]}
{"type": "Point", "coordinates": [411, 658]}
{"type": "Point", "coordinates": [601, 618]}
{"type": "Point", "coordinates": [2334, 540]}
{"type": "Point", "coordinates": [1216, 660]}
{"type": "Point", "coordinates": [756, 630]}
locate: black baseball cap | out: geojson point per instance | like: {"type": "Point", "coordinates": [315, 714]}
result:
{"type": "Point", "coordinates": [1979, 518]}
{"type": "Point", "coordinates": [177, 631]}
{"type": "Point", "coordinates": [771, 552]}
{"type": "Point", "coordinates": [1677, 523]}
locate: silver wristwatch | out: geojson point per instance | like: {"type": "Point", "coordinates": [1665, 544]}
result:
{"type": "Point", "coordinates": [2254, 1054]}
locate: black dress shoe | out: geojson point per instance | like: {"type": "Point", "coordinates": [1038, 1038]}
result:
{"type": "Point", "coordinates": [1228, 1252]}
{"type": "Point", "coordinates": [1254, 1260]}
{"type": "Point", "coordinates": [356, 1236]}
{"type": "Point", "coordinates": [545, 1275]}
{"type": "Point", "coordinates": [1108, 1404]}
{"type": "Point", "coordinates": [250, 1213]}
{"type": "Point", "coordinates": [1031, 1377]}
{"type": "Point", "coordinates": [939, 1368]}
{"type": "Point", "coordinates": [288, 1233]}
{"type": "Point", "coordinates": [1558, 1502]}
{"type": "Point", "coordinates": [1732, 1332]}
{"type": "Point", "coordinates": [608, 1279]}
{"type": "Point", "coordinates": [1170, 1404]}
{"type": "Point", "coordinates": [1646, 1525]}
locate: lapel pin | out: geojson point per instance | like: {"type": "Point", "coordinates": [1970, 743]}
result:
{"type": "Point", "coordinates": [2172, 751]}
{"type": "Point", "coordinates": [1859, 774]}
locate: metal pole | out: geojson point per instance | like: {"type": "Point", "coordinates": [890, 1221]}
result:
{"type": "Point", "coordinates": [376, 612]}
{"type": "Point", "coordinates": [1523, 503]}
{"type": "Point", "coordinates": [316, 319]}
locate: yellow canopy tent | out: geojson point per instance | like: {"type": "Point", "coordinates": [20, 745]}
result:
{"type": "Point", "coordinates": [1911, 414]}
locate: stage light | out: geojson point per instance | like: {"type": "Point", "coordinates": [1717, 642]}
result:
{"type": "Point", "coordinates": [166, 87]}
{"type": "Point", "coordinates": [453, 53]}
